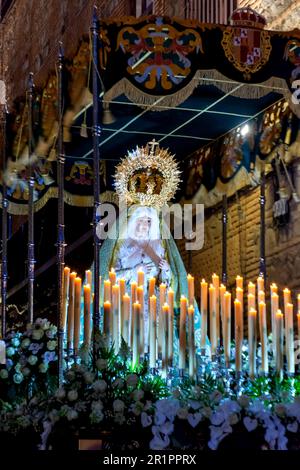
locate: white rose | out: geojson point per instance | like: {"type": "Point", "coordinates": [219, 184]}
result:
{"type": "Point", "coordinates": [89, 377]}
{"type": "Point", "coordinates": [51, 345]}
{"type": "Point", "coordinates": [71, 415]}
{"type": "Point", "coordinates": [25, 343]}
{"type": "Point", "coordinates": [137, 395]}
{"type": "Point", "coordinates": [118, 406]}
{"type": "Point", "coordinates": [72, 395]}
{"type": "Point", "coordinates": [37, 334]}
{"type": "Point", "coordinates": [132, 380]}
{"type": "Point", "coordinates": [60, 393]}
{"type": "Point", "coordinates": [32, 359]}
{"type": "Point", "coordinates": [43, 368]}
{"type": "Point", "coordinates": [99, 386]}
{"type": "Point", "coordinates": [97, 406]}
{"type": "Point", "coordinates": [3, 374]}
{"type": "Point", "coordinates": [101, 364]}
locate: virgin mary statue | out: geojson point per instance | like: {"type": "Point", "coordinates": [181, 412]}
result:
{"type": "Point", "coordinates": [147, 179]}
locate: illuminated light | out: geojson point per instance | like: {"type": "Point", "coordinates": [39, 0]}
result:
{"type": "Point", "coordinates": [245, 129]}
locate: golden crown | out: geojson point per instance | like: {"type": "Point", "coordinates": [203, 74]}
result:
{"type": "Point", "coordinates": [148, 176]}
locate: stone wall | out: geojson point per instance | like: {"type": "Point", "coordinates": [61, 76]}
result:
{"type": "Point", "coordinates": [282, 245]}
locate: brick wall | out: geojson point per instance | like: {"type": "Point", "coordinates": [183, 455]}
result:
{"type": "Point", "coordinates": [243, 238]}
{"type": "Point", "coordinates": [32, 29]}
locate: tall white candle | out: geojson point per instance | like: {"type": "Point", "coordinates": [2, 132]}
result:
{"type": "Point", "coordinates": [126, 317]}
{"type": "Point", "coordinates": [136, 334]}
{"type": "Point", "coordinates": [182, 332]}
{"type": "Point", "coordinates": [191, 341]}
{"type": "Point", "coordinates": [162, 301]}
{"type": "Point", "coordinates": [70, 336]}
{"type": "Point", "coordinates": [171, 325]}
{"type": "Point", "coordinates": [66, 284]}
{"type": "Point", "coordinates": [289, 338]}
{"type": "Point", "coordinates": [274, 309]}
{"type": "Point", "coordinates": [252, 342]}
{"type": "Point", "coordinates": [165, 338]}
{"type": "Point", "coordinates": [279, 342]}
{"type": "Point", "coordinates": [263, 337]}
{"type": "Point", "coordinates": [152, 350]}
{"type": "Point", "coordinates": [116, 316]}
{"type": "Point", "coordinates": [216, 284]}
{"type": "Point", "coordinates": [227, 327]}
{"type": "Point", "coordinates": [191, 289]}
{"type": "Point", "coordinates": [140, 299]}
{"type": "Point", "coordinates": [213, 319]}
{"type": "Point", "coordinates": [239, 334]}
{"type": "Point", "coordinates": [203, 314]}
{"type": "Point", "coordinates": [239, 282]}
{"type": "Point", "coordinates": [87, 314]}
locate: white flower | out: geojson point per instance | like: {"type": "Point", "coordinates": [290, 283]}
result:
{"type": "Point", "coordinates": [71, 415]}
{"type": "Point", "coordinates": [101, 364]}
{"type": "Point", "coordinates": [37, 334]}
{"type": "Point", "coordinates": [217, 418]}
{"type": "Point", "coordinates": [167, 428]}
{"type": "Point", "coordinates": [51, 345]}
{"type": "Point", "coordinates": [250, 424]}
{"type": "Point", "coordinates": [137, 395]}
{"type": "Point", "coordinates": [118, 406]}
{"type": "Point", "coordinates": [10, 351]}
{"type": "Point", "coordinates": [292, 427]}
{"type": "Point", "coordinates": [194, 419]}
{"type": "Point", "coordinates": [159, 442]}
{"type": "Point", "coordinates": [168, 407]}
{"type": "Point", "coordinates": [96, 417]}
{"type": "Point", "coordinates": [15, 342]}
{"type": "Point", "coordinates": [43, 367]}
{"type": "Point", "coordinates": [132, 380]}
{"type": "Point", "coordinates": [25, 343]}
{"type": "Point", "coordinates": [72, 395]}
{"type": "Point", "coordinates": [137, 408]}
{"type": "Point", "coordinates": [99, 386]}
{"type": "Point", "coordinates": [32, 359]}
{"type": "Point", "coordinates": [60, 393]}
{"type": "Point", "coordinates": [89, 377]}
{"type": "Point", "coordinates": [97, 406]}
{"type": "Point", "coordinates": [3, 374]}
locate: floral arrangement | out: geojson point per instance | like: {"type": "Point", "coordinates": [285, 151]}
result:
{"type": "Point", "coordinates": [127, 408]}
{"type": "Point", "coordinates": [30, 360]}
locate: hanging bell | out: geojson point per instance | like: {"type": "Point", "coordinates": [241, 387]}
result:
{"type": "Point", "coordinates": [83, 130]}
{"type": "Point", "coordinates": [107, 116]}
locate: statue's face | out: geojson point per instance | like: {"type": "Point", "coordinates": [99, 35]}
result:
{"type": "Point", "coordinates": [142, 228]}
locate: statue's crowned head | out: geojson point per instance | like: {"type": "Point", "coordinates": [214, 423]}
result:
{"type": "Point", "coordinates": [148, 176]}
